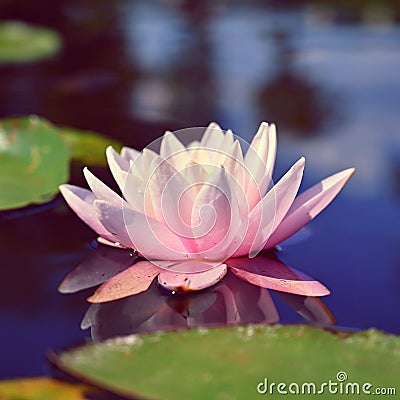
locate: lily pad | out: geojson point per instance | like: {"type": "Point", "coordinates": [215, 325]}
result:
{"type": "Point", "coordinates": [87, 147]}
{"type": "Point", "coordinates": [41, 388]}
{"type": "Point", "coordinates": [21, 42]}
{"type": "Point", "coordinates": [232, 362]}
{"type": "Point", "coordinates": [33, 162]}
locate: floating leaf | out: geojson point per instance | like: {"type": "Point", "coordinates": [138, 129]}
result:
{"type": "Point", "coordinates": [229, 363]}
{"type": "Point", "coordinates": [35, 155]}
{"type": "Point", "coordinates": [33, 162]}
{"type": "Point", "coordinates": [21, 42]}
{"type": "Point", "coordinates": [87, 147]}
{"type": "Point", "coordinates": [41, 388]}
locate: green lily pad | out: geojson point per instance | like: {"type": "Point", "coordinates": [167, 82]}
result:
{"type": "Point", "coordinates": [33, 162]}
{"type": "Point", "coordinates": [41, 388]}
{"type": "Point", "coordinates": [87, 147]}
{"type": "Point", "coordinates": [232, 362]}
{"type": "Point", "coordinates": [21, 42]}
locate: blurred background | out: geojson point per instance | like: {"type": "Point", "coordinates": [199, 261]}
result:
{"type": "Point", "coordinates": [326, 72]}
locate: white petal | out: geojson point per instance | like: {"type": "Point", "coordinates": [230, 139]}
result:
{"type": "Point", "coordinates": [194, 143]}
{"type": "Point", "coordinates": [118, 245]}
{"type": "Point", "coordinates": [173, 150]}
{"type": "Point", "coordinates": [140, 167]}
{"type": "Point", "coordinates": [122, 162]}
{"type": "Point", "coordinates": [195, 174]}
{"type": "Point", "coordinates": [101, 190]}
{"type": "Point", "coordinates": [213, 136]}
{"type": "Point", "coordinates": [260, 160]}
{"type": "Point", "coordinates": [134, 192]}
{"type": "Point", "coordinates": [129, 154]}
{"type": "Point", "coordinates": [139, 174]}
{"type": "Point", "coordinates": [229, 138]}
{"type": "Point", "coordinates": [118, 166]}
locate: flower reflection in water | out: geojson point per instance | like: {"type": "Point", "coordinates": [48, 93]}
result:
{"type": "Point", "coordinates": [232, 301]}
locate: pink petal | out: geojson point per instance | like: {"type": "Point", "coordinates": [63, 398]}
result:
{"type": "Point", "coordinates": [215, 217]}
{"type": "Point", "coordinates": [112, 218]}
{"type": "Point", "coordinates": [81, 201]}
{"type": "Point", "coordinates": [101, 190]}
{"type": "Point", "coordinates": [134, 280]}
{"type": "Point", "coordinates": [272, 274]}
{"type": "Point", "coordinates": [181, 282]}
{"type": "Point", "coordinates": [171, 200]}
{"type": "Point", "coordinates": [236, 169]}
{"type": "Point", "coordinates": [269, 212]}
{"type": "Point", "coordinates": [308, 205]}
{"type": "Point", "coordinates": [151, 238]}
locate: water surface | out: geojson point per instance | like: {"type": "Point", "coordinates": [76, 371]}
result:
{"type": "Point", "coordinates": [133, 69]}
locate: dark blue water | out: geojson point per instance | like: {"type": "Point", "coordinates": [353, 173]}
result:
{"type": "Point", "coordinates": [134, 69]}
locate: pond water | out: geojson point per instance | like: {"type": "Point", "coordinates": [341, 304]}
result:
{"type": "Point", "coordinates": [134, 69]}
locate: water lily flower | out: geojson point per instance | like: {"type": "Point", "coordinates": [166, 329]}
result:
{"type": "Point", "coordinates": [192, 211]}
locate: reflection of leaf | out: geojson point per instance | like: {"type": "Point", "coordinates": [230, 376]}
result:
{"type": "Point", "coordinates": [33, 162]}
{"type": "Point", "coordinates": [87, 147]}
{"type": "Point", "coordinates": [230, 362]}
{"type": "Point", "coordinates": [20, 42]}
{"type": "Point", "coordinates": [40, 389]}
